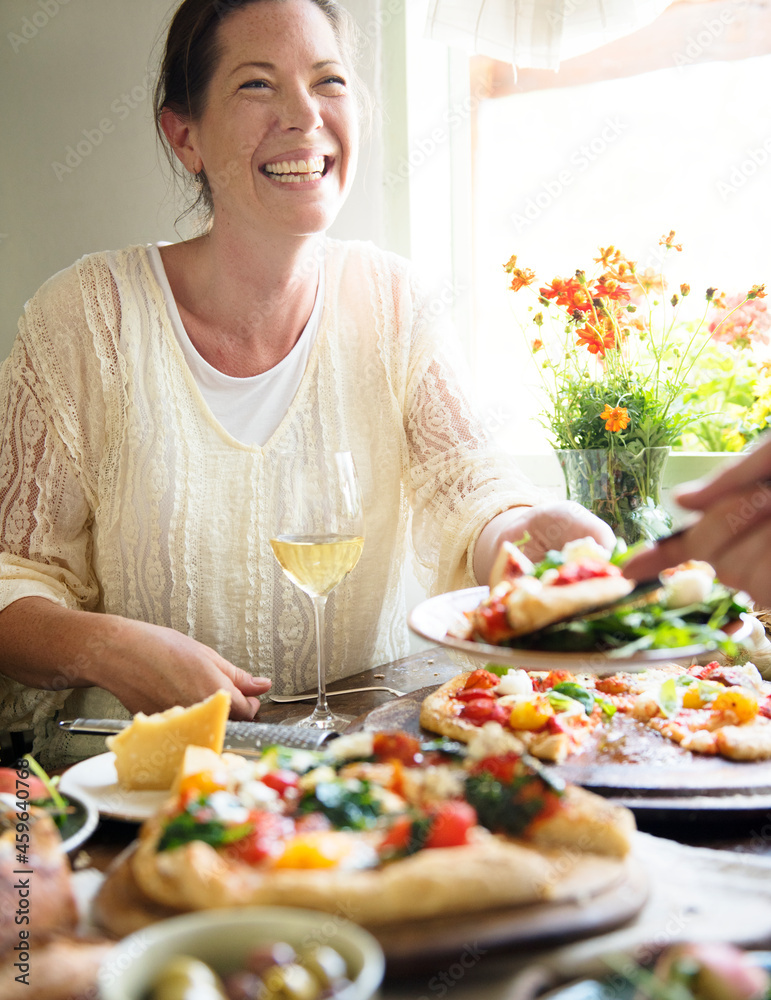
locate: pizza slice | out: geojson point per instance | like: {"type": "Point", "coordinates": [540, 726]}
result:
{"type": "Point", "coordinates": [380, 826]}
{"type": "Point", "coordinates": [575, 599]}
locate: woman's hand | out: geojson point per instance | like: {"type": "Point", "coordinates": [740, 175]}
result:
{"type": "Point", "coordinates": [733, 534]}
{"type": "Point", "coordinates": [153, 668]}
{"type": "Point", "coordinates": [149, 668]}
{"type": "Point", "coordinates": [549, 526]}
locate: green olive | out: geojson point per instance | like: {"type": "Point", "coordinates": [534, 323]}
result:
{"type": "Point", "coordinates": [186, 978]}
{"type": "Point", "coordinates": [291, 982]}
{"type": "Point", "coordinates": [326, 964]}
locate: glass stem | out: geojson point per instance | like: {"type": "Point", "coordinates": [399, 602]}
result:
{"type": "Point", "coordinates": [319, 603]}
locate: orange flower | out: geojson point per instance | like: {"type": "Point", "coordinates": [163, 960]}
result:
{"type": "Point", "coordinates": [537, 345]}
{"type": "Point", "coordinates": [570, 293]}
{"type": "Point", "coordinates": [510, 264]}
{"type": "Point", "coordinates": [596, 342]}
{"type": "Point", "coordinates": [608, 288]}
{"type": "Point", "coordinates": [521, 278]}
{"type": "Point", "coordinates": [669, 241]}
{"type": "Point", "coordinates": [616, 418]}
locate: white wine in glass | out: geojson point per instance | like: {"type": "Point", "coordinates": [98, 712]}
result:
{"type": "Point", "coordinates": [317, 534]}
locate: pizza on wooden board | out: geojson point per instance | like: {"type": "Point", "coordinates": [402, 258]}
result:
{"type": "Point", "coordinates": [381, 825]}
{"type": "Point", "coordinates": [712, 709]}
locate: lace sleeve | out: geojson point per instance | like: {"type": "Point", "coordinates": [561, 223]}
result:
{"type": "Point", "coordinates": [458, 481]}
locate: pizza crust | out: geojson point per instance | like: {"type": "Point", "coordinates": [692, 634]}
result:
{"type": "Point", "coordinates": [530, 609]}
{"type": "Point", "coordinates": [488, 873]}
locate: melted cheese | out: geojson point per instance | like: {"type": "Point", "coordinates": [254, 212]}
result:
{"type": "Point", "coordinates": [149, 752]}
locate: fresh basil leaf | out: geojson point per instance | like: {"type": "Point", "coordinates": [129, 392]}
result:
{"type": "Point", "coordinates": [348, 805]}
{"type": "Point", "coordinates": [452, 748]}
{"type": "Point", "coordinates": [185, 828]}
{"type": "Point", "coordinates": [684, 680]}
{"type": "Point", "coordinates": [560, 702]}
{"type": "Point", "coordinates": [577, 693]}
{"type": "Point", "coordinates": [667, 699]}
{"type": "Point", "coordinates": [497, 669]}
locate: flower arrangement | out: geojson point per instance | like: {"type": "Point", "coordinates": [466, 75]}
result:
{"type": "Point", "coordinates": [618, 363]}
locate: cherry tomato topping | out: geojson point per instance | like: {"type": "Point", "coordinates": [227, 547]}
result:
{"type": "Point", "coordinates": [266, 839]}
{"type": "Point", "coordinates": [481, 679]}
{"type": "Point", "coordinates": [397, 746]}
{"type": "Point", "coordinates": [281, 781]}
{"type": "Point", "coordinates": [469, 694]}
{"type": "Point", "coordinates": [584, 569]}
{"type": "Point", "coordinates": [503, 768]}
{"type": "Point", "coordinates": [398, 837]}
{"type": "Point", "coordinates": [452, 821]}
{"type": "Point", "coordinates": [492, 624]}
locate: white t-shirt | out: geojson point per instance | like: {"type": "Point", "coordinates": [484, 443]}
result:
{"type": "Point", "coordinates": [250, 409]}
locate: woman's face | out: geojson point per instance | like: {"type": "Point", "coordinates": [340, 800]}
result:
{"type": "Point", "coordinates": [278, 135]}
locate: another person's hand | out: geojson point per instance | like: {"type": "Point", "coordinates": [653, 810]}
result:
{"type": "Point", "coordinates": [733, 534]}
{"type": "Point", "coordinates": [548, 526]}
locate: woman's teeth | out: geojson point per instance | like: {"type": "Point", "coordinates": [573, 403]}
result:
{"type": "Point", "coordinates": [296, 171]}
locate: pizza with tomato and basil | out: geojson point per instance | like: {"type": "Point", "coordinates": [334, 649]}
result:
{"type": "Point", "coordinates": [382, 826]}
{"type": "Point", "coordinates": [713, 709]}
{"type": "Point", "coordinates": [577, 600]}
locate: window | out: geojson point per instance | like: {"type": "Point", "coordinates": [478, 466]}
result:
{"type": "Point", "coordinates": [667, 129]}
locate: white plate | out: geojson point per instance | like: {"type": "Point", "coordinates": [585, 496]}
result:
{"type": "Point", "coordinates": [97, 779]}
{"type": "Point", "coordinates": [432, 620]}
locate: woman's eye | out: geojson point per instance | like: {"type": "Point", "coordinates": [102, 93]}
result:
{"type": "Point", "coordinates": [254, 84]}
{"type": "Point", "coordinates": [334, 81]}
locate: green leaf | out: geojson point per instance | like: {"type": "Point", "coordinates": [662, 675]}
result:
{"type": "Point", "coordinates": [667, 698]}
{"type": "Point", "coordinates": [577, 693]}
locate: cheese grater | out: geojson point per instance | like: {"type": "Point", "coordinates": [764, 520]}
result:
{"type": "Point", "coordinates": [246, 738]}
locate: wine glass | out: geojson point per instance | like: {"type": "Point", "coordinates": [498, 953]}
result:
{"type": "Point", "coordinates": [317, 534]}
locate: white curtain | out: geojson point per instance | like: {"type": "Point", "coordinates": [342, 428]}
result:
{"type": "Point", "coordinates": [537, 33]}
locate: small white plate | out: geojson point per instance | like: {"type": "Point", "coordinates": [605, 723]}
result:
{"type": "Point", "coordinates": [434, 618]}
{"type": "Point", "coordinates": [97, 780]}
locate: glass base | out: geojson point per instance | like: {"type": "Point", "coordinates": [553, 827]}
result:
{"type": "Point", "coordinates": [320, 720]}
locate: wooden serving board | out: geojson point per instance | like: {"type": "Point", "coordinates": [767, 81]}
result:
{"type": "Point", "coordinates": [626, 759]}
{"type": "Point", "coordinates": [598, 895]}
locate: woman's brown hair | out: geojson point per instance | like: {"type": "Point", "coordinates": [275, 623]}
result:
{"type": "Point", "coordinates": [190, 60]}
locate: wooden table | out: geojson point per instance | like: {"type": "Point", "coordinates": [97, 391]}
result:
{"type": "Point", "coordinates": [497, 976]}
{"type": "Point", "coordinates": [747, 830]}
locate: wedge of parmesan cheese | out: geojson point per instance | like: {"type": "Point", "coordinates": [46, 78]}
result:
{"type": "Point", "coordinates": [149, 752]}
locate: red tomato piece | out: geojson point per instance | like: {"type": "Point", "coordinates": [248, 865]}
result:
{"type": "Point", "coordinates": [503, 768]}
{"type": "Point", "coordinates": [398, 836]}
{"type": "Point", "coordinates": [397, 746]}
{"type": "Point", "coordinates": [266, 839]}
{"type": "Point", "coordinates": [492, 625]}
{"type": "Point", "coordinates": [452, 821]}
{"type": "Point", "coordinates": [584, 569]}
{"type": "Point", "coordinates": [481, 710]}
{"type": "Point", "coordinates": [553, 725]}
{"type": "Point", "coordinates": [281, 781]}
{"type": "Point", "coordinates": [30, 788]}
{"type": "Point", "coordinates": [765, 707]}
{"type": "Point", "coordinates": [469, 694]}
{"type": "Point", "coordinates": [481, 678]}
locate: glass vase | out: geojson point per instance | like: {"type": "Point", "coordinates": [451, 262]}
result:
{"type": "Point", "coordinates": [621, 487]}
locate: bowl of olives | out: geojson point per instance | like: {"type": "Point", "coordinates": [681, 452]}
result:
{"type": "Point", "coordinates": [245, 953]}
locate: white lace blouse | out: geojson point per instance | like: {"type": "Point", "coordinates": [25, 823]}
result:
{"type": "Point", "coordinates": [121, 492]}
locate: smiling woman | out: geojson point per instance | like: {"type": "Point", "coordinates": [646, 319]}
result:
{"type": "Point", "coordinates": [150, 391]}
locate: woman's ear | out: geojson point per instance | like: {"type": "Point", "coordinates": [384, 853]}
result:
{"type": "Point", "coordinates": [181, 140]}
